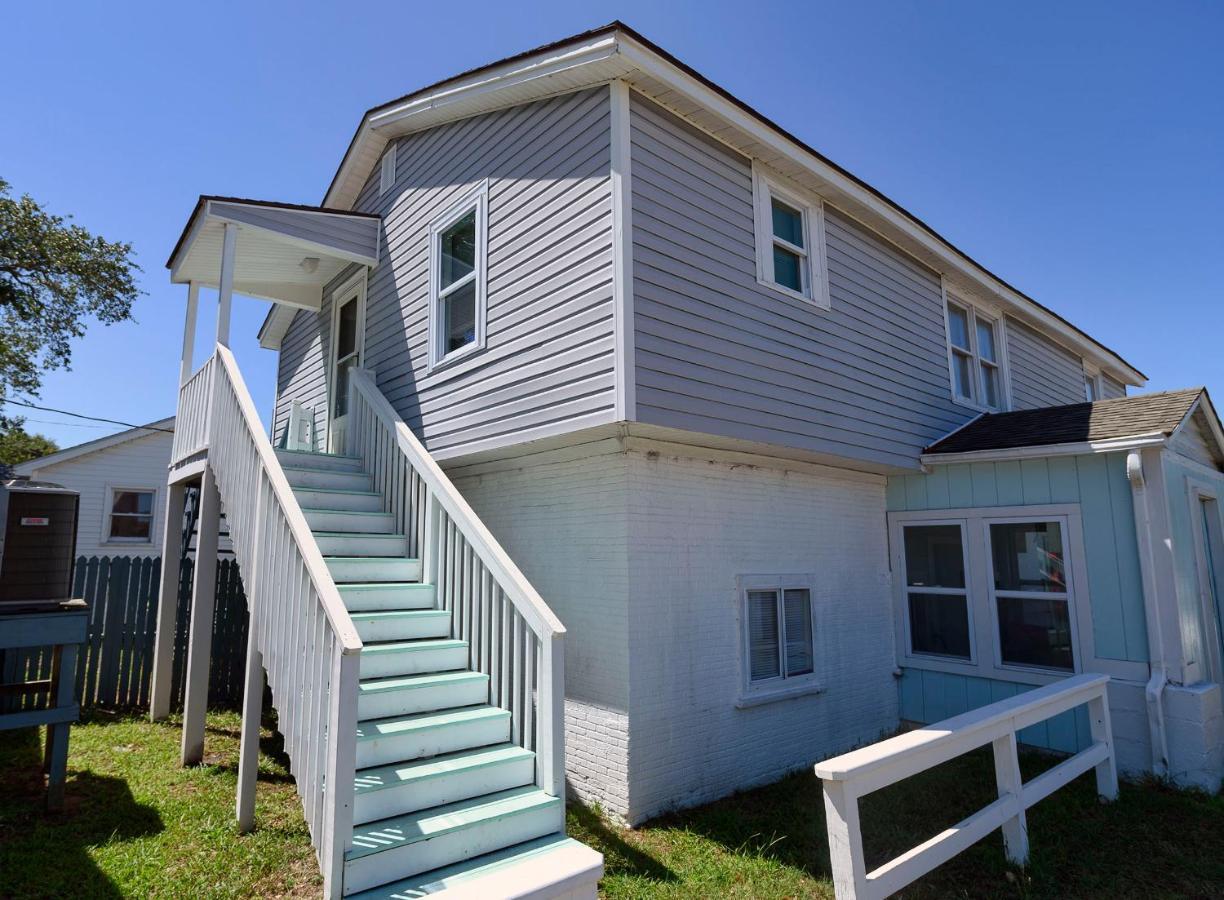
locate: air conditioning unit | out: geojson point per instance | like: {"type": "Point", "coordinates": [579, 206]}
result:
{"type": "Point", "coordinates": [38, 524]}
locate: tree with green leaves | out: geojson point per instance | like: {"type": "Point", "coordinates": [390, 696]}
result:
{"type": "Point", "coordinates": [54, 277]}
{"type": "Point", "coordinates": [17, 445]}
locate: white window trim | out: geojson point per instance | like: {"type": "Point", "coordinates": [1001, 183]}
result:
{"type": "Point", "coordinates": [107, 512]}
{"type": "Point", "coordinates": [984, 613]}
{"type": "Point", "coordinates": [815, 271]}
{"type": "Point", "coordinates": [386, 171]}
{"type": "Point", "coordinates": [1093, 382]}
{"type": "Point", "coordinates": [478, 197]}
{"type": "Point", "coordinates": [355, 286]}
{"type": "Point", "coordinates": [754, 693]}
{"type": "Point", "coordinates": [906, 590]}
{"type": "Point", "coordinates": [1199, 492]}
{"type": "Point", "coordinates": [977, 310]}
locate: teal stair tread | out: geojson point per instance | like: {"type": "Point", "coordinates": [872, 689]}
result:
{"type": "Point", "coordinates": [411, 828]}
{"type": "Point", "coordinates": [377, 778]}
{"type": "Point", "coordinates": [415, 682]}
{"type": "Point", "coordinates": [320, 453]}
{"type": "Point", "coordinates": [296, 468]}
{"type": "Point", "coordinates": [456, 874]}
{"type": "Point", "coordinates": [368, 558]}
{"type": "Point", "coordinates": [357, 534]}
{"type": "Point", "coordinates": [385, 615]}
{"type": "Point", "coordinates": [322, 490]}
{"type": "Point", "coordinates": [394, 726]}
{"type": "Point", "coordinates": [412, 646]}
{"type": "Point", "coordinates": [346, 512]}
{"type": "Point", "coordinates": [385, 585]}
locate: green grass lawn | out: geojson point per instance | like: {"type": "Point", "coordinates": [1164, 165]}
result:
{"type": "Point", "coordinates": [138, 825]}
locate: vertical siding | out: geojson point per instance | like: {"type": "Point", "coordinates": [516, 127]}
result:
{"type": "Point", "coordinates": [716, 352]}
{"type": "Point", "coordinates": [548, 362]}
{"type": "Point", "coordinates": [1042, 372]}
{"type": "Point", "coordinates": [1096, 482]}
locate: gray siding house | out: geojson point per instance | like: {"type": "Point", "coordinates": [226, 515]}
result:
{"type": "Point", "coordinates": [704, 387]}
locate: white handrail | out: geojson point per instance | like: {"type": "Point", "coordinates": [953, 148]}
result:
{"type": "Point", "coordinates": [850, 776]}
{"type": "Point", "coordinates": [191, 417]}
{"type": "Point", "coordinates": [491, 600]}
{"type": "Point", "coordinates": [300, 626]}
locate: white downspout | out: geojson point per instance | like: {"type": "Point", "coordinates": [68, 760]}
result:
{"type": "Point", "coordinates": [1147, 564]}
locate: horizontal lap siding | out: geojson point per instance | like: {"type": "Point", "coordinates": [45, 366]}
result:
{"type": "Point", "coordinates": [300, 372]}
{"type": "Point", "coordinates": [1042, 372]}
{"type": "Point", "coordinates": [1110, 389]}
{"type": "Point", "coordinates": [1098, 484]}
{"type": "Point", "coordinates": [548, 361]}
{"type": "Point", "coordinates": [718, 353]}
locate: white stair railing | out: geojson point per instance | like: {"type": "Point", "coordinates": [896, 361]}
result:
{"type": "Point", "coordinates": [857, 773]}
{"type": "Point", "coordinates": [309, 645]}
{"type": "Point", "coordinates": [191, 419]}
{"type": "Point", "coordinates": [513, 636]}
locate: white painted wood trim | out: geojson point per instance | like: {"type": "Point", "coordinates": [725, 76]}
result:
{"type": "Point", "coordinates": [478, 197]}
{"type": "Point", "coordinates": [167, 606]}
{"type": "Point", "coordinates": [225, 283]}
{"type": "Point", "coordinates": [767, 184]}
{"type": "Point", "coordinates": [199, 638]}
{"type": "Point", "coordinates": [622, 252]}
{"type": "Point", "coordinates": [386, 170]}
{"type": "Point", "coordinates": [1114, 445]}
{"type": "Point", "coordinates": [353, 287]}
{"type": "Point", "coordinates": [852, 775]}
{"type": "Point", "coordinates": [189, 330]}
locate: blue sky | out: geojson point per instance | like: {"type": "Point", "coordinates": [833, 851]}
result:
{"type": "Point", "coordinates": [1077, 150]}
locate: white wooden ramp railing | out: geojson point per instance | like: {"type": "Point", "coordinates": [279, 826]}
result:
{"type": "Point", "coordinates": [850, 776]}
{"type": "Point", "coordinates": [299, 625]}
{"type": "Point", "coordinates": [513, 636]}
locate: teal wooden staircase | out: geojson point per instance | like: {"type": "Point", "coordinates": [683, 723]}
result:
{"type": "Point", "coordinates": [417, 676]}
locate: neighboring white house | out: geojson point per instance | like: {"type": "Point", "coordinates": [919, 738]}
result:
{"type": "Point", "coordinates": [122, 481]}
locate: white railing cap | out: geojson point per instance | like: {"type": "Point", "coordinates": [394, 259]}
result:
{"type": "Point", "coordinates": [960, 731]}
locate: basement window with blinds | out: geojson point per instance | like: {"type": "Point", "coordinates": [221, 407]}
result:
{"type": "Point", "coordinates": [780, 629]}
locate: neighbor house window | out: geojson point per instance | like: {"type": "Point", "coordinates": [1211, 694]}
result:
{"type": "Point", "coordinates": [790, 241]}
{"type": "Point", "coordinates": [130, 519]}
{"type": "Point", "coordinates": [1031, 599]}
{"type": "Point", "coordinates": [975, 357]}
{"type": "Point", "coordinates": [937, 600]}
{"type": "Point", "coordinates": [457, 279]}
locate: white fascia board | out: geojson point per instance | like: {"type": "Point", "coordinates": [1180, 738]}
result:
{"type": "Point", "coordinates": [1080, 448]}
{"type": "Point", "coordinates": [275, 326]}
{"type": "Point", "coordinates": [1209, 414]}
{"type": "Point", "coordinates": [683, 83]}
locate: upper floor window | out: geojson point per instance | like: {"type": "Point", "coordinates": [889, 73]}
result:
{"type": "Point", "coordinates": [386, 171]}
{"type": "Point", "coordinates": [1092, 387]}
{"type": "Point", "coordinates": [458, 244]}
{"type": "Point", "coordinates": [975, 357]}
{"type": "Point", "coordinates": [790, 241]}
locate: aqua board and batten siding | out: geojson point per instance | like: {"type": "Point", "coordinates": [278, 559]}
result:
{"type": "Point", "coordinates": [1098, 484]}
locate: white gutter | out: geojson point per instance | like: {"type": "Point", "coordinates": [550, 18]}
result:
{"type": "Point", "coordinates": [1154, 692]}
{"type": "Point", "coordinates": [1079, 448]}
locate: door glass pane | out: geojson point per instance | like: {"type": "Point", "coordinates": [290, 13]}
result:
{"type": "Point", "coordinates": [346, 331]}
{"type": "Point", "coordinates": [342, 384]}
{"type": "Point", "coordinates": [958, 326]}
{"type": "Point", "coordinates": [933, 556]}
{"type": "Point", "coordinates": [962, 379]}
{"type": "Point", "coordinates": [939, 623]}
{"type": "Point", "coordinates": [1028, 556]}
{"type": "Point", "coordinates": [986, 341]}
{"type": "Point", "coordinates": [458, 250]}
{"type": "Point", "coordinates": [1035, 631]}
{"type": "Point", "coordinates": [787, 269]}
{"type": "Point", "coordinates": [798, 611]}
{"type": "Point", "coordinates": [787, 223]}
{"type": "Point", "coordinates": [763, 659]}
{"type": "Point", "coordinates": [990, 386]}
{"type": "Point", "coordinates": [460, 307]}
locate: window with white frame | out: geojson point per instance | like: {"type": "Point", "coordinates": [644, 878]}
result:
{"type": "Point", "coordinates": [458, 244]}
{"type": "Point", "coordinates": [790, 241]}
{"type": "Point", "coordinates": [386, 172]}
{"type": "Point", "coordinates": [1092, 386]}
{"type": "Point", "coordinates": [130, 515]}
{"type": "Point", "coordinates": [992, 578]}
{"type": "Point", "coordinates": [975, 357]}
{"type": "Point", "coordinates": [779, 632]}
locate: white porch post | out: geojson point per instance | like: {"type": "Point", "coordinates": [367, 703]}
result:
{"type": "Point", "coordinates": [253, 684]}
{"type": "Point", "coordinates": [225, 286]}
{"type": "Point", "coordinates": [199, 638]}
{"type": "Point", "coordinates": [171, 571]}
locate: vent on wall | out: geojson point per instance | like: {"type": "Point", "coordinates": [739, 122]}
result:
{"type": "Point", "coordinates": [387, 174]}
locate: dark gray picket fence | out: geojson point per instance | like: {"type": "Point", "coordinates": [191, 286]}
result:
{"type": "Point", "coordinates": [115, 666]}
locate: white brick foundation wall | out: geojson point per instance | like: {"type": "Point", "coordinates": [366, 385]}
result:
{"type": "Point", "coordinates": [597, 755]}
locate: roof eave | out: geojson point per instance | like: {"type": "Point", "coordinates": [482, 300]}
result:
{"type": "Point", "coordinates": [1033, 451]}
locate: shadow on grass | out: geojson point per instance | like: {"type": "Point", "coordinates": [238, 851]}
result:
{"type": "Point", "coordinates": [588, 826]}
{"type": "Point", "coordinates": [46, 854]}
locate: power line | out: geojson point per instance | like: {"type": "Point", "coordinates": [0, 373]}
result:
{"type": "Point", "coordinates": [62, 424]}
{"type": "Point", "coordinates": [64, 412]}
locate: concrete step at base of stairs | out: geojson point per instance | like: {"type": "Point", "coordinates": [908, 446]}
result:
{"type": "Point", "coordinates": [387, 597]}
{"type": "Point", "coordinates": [402, 846]}
{"type": "Point", "coordinates": [379, 698]}
{"type": "Point", "coordinates": [308, 458]}
{"type": "Point", "coordinates": [397, 738]}
{"type": "Point", "coordinates": [554, 867]}
{"type": "Point", "coordinates": [419, 657]}
{"type": "Point", "coordinates": [385, 791]}
{"type": "Point", "coordinates": [372, 569]}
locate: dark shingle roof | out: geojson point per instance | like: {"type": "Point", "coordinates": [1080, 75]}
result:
{"type": "Point", "coordinates": [1101, 421]}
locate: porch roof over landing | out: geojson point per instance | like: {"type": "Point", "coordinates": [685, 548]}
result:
{"type": "Point", "coordinates": [284, 252]}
